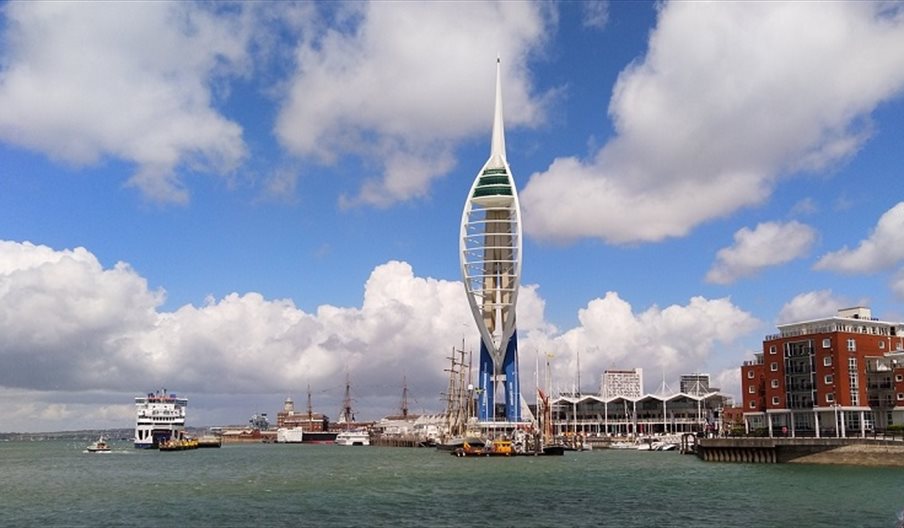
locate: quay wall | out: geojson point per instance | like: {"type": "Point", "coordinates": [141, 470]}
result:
{"type": "Point", "coordinates": [852, 451]}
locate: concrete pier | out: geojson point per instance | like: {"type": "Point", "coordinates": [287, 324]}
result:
{"type": "Point", "coordinates": [854, 451]}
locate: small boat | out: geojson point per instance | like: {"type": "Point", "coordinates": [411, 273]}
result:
{"type": "Point", "coordinates": [553, 450]}
{"type": "Point", "coordinates": [176, 444]}
{"type": "Point", "coordinates": [474, 447]}
{"type": "Point", "coordinates": [353, 438]}
{"type": "Point", "coordinates": [101, 446]}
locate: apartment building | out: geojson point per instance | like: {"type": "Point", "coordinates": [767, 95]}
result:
{"type": "Point", "coordinates": [836, 376]}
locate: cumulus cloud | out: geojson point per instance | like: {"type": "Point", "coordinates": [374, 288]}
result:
{"type": "Point", "coordinates": [78, 336]}
{"type": "Point", "coordinates": [132, 81]}
{"type": "Point", "coordinates": [664, 342]}
{"type": "Point", "coordinates": [813, 305]}
{"type": "Point", "coordinates": [769, 244]}
{"type": "Point", "coordinates": [883, 249]}
{"type": "Point", "coordinates": [402, 81]}
{"type": "Point", "coordinates": [709, 119]}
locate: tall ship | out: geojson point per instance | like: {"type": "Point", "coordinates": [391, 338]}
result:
{"type": "Point", "coordinates": [159, 417]}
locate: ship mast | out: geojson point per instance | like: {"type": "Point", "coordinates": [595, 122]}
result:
{"type": "Point", "coordinates": [404, 397]}
{"type": "Point", "coordinates": [310, 410]}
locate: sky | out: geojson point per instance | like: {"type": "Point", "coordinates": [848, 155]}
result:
{"type": "Point", "coordinates": [238, 201]}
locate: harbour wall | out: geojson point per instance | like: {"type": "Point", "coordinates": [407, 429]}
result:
{"type": "Point", "coordinates": [851, 451]}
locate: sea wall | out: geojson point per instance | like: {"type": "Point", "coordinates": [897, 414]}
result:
{"type": "Point", "coordinates": [852, 451]}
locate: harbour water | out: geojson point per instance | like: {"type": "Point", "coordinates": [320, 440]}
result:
{"type": "Point", "coordinates": [53, 483]}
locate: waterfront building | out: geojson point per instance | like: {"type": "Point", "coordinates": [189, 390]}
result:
{"type": "Point", "coordinates": [835, 376]}
{"type": "Point", "coordinates": [490, 250]}
{"type": "Point", "coordinates": [289, 418]}
{"type": "Point", "coordinates": [626, 383]}
{"type": "Point", "coordinates": [647, 414]}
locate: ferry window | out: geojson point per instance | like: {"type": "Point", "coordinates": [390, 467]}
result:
{"type": "Point", "coordinates": [830, 397]}
{"type": "Point", "coordinates": [775, 400]}
{"type": "Point", "coordinates": [827, 361]}
{"type": "Point", "coordinates": [775, 384]}
{"type": "Point", "coordinates": [773, 367]}
{"type": "Point", "coordinates": [828, 379]}
{"type": "Point", "coordinates": [851, 345]}
{"type": "Point", "coordinates": [826, 343]}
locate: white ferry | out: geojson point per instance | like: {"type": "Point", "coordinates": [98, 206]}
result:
{"type": "Point", "coordinates": [359, 437]}
{"type": "Point", "coordinates": [160, 416]}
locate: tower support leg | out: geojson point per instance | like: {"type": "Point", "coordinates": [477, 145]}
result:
{"type": "Point", "coordinates": [487, 396]}
{"type": "Point", "coordinates": [512, 384]}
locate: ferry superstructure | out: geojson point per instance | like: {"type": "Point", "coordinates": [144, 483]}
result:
{"type": "Point", "coordinates": [159, 416]}
{"type": "Point", "coordinates": [490, 256]}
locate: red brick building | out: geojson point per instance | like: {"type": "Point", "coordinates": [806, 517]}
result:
{"type": "Point", "coordinates": [841, 375]}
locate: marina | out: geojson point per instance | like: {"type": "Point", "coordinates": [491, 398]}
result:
{"type": "Point", "coordinates": [44, 484]}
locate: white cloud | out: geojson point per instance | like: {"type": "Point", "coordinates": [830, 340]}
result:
{"type": "Point", "coordinates": [404, 81]}
{"type": "Point", "coordinates": [664, 342]}
{"type": "Point", "coordinates": [78, 337]}
{"type": "Point", "coordinates": [709, 118]}
{"type": "Point", "coordinates": [882, 250]}
{"type": "Point", "coordinates": [85, 81]}
{"type": "Point", "coordinates": [813, 305]}
{"type": "Point", "coordinates": [769, 244]}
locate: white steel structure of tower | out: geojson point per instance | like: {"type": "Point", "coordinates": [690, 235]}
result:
{"type": "Point", "coordinates": [490, 258]}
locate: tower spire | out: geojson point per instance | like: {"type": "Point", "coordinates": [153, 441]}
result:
{"type": "Point", "coordinates": [497, 148]}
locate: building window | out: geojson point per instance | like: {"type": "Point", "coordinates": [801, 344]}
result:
{"type": "Point", "coordinates": [882, 344]}
{"type": "Point", "coordinates": [773, 367]}
{"type": "Point", "coordinates": [830, 397]}
{"type": "Point", "coordinates": [772, 349]}
{"type": "Point", "coordinates": [753, 405]}
{"type": "Point", "coordinates": [899, 377]}
{"type": "Point", "coordinates": [775, 400]}
{"type": "Point", "coordinates": [827, 361]}
{"type": "Point", "coordinates": [900, 396]}
{"type": "Point", "coordinates": [826, 343]}
{"type": "Point", "coordinates": [750, 374]}
{"type": "Point", "coordinates": [851, 345]}
{"type": "Point", "coordinates": [775, 384]}
{"type": "Point", "coordinates": [751, 389]}
{"type": "Point", "coordinates": [829, 379]}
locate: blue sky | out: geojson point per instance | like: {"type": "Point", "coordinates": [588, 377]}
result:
{"type": "Point", "coordinates": [235, 200]}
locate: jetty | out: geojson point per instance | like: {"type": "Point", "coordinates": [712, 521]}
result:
{"type": "Point", "coordinates": [773, 450]}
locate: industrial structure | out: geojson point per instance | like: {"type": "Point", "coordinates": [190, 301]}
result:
{"type": "Point", "coordinates": [833, 376]}
{"type": "Point", "coordinates": [490, 256]}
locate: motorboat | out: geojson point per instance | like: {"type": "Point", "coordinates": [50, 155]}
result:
{"type": "Point", "coordinates": [100, 446]}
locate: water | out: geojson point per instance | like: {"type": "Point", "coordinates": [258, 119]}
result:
{"type": "Point", "coordinates": [55, 484]}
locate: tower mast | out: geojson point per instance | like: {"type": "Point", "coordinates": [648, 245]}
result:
{"type": "Point", "coordinates": [490, 253]}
